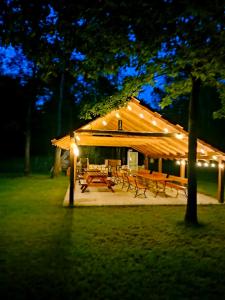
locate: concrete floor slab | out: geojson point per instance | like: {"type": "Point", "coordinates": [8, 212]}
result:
{"type": "Point", "coordinates": [102, 196]}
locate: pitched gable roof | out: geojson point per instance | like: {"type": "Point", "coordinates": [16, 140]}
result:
{"type": "Point", "coordinates": [143, 130]}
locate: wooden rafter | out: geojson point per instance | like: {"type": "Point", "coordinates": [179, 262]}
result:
{"type": "Point", "coordinates": [157, 140]}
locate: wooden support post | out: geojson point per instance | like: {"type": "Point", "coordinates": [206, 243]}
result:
{"type": "Point", "coordinates": [146, 162]}
{"type": "Point", "coordinates": [75, 172]}
{"type": "Point", "coordinates": [160, 165]}
{"type": "Point", "coordinates": [182, 169]}
{"type": "Point", "coordinates": [74, 152]}
{"type": "Point", "coordinates": [71, 195]}
{"type": "Point", "coordinates": [221, 181]}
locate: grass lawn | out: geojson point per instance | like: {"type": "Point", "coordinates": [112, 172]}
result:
{"type": "Point", "coordinates": [207, 181]}
{"type": "Point", "coordinates": [51, 252]}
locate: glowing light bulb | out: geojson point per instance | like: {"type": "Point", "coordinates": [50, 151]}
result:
{"type": "Point", "coordinates": [166, 130]}
{"type": "Point", "coordinates": [118, 115]}
{"type": "Point", "coordinates": [202, 151]}
{"type": "Point", "coordinates": [213, 165]}
{"type": "Point", "coordinates": [104, 122]}
{"type": "Point", "coordinates": [179, 136]}
{"type": "Point", "coordinates": [199, 164]}
{"type": "Point", "coordinates": [206, 164]}
{"type": "Point", "coordinates": [154, 122]}
{"type": "Point", "coordinates": [141, 116]}
{"type": "Point", "coordinates": [129, 107]}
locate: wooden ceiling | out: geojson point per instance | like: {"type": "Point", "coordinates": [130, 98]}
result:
{"type": "Point", "coordinates": [143, 130]}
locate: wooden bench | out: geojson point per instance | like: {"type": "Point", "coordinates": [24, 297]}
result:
{"type": "Point", "coordinates": [143, 171]}
{"type": "Point", "coordinates": [160, 174]}
{"type": "Point", "coordinates": [177, 183]}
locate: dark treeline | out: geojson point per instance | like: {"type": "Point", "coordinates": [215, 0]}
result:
{"type": "Point", "coordinates": [14, 99]}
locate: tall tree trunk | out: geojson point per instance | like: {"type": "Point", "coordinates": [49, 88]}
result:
{"type": "Point", "coordinates": [57, 161]}
{"type": "Point", "coordinates": [57, 168]}
{"type": "Point", "coordinates": [191, 209]}
{"type": "Point", "coordinates": [60, 102]}
{"type": "Point", "coordinates": [27, 167]}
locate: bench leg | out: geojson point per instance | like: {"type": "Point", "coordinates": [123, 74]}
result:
{"type": "Point", "coordinates": [83, 188]}
{"type": "Point", "coordinates": [137, 190]}
{"type": "Point", "coordinates": [145, 192]}
{"type": "Point", "coordinates": [110, 187]}
{"type": "Point", "coordinates": [136, 193]}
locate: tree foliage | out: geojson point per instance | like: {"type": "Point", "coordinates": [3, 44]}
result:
{"type": "Point", "coordinates": [92, 41]}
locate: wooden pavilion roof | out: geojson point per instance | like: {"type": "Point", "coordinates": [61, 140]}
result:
{"type": "Point", "coordinates": [143, 130]}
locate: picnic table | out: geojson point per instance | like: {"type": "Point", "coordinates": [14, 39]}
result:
{"type": "Point", "coordinates": [155, 182]}
{"type": "Point", "coordinates": [96, 179]}
{"type": "Point", "coordinates": [158, 183]}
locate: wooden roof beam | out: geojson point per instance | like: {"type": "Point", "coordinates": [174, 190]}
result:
{"type": "Point", "coordinates": [127, 133]}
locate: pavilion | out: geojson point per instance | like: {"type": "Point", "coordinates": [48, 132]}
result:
{"type": "Point", "coordinates": [137, 127]}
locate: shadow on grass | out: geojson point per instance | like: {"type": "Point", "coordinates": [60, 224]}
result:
{"type": "Point", "coordinates": [189, 226]}
{"type": "Point", "coordinates": [38, 263]}
{"type": "Point", "coordinates": [59, 259]}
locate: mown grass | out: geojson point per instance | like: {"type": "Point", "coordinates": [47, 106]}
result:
{"type": "Point", "coordinates": [51, 252]}
{"type": "Point", "coordinates": [207, 181]}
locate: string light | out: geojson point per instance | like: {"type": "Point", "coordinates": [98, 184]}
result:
{"type": "Point", "coordinates": [179, 136]}
{"type": "Point", "coordinates": [129, 107]}
{"type": "Point", "coordinates": [166, 130]}
{"type": "Point", "coordinates": [206, 164]}
{"type": "Point", "coordinates": [141, 116]}
{"type": "Point", "coordinates": [154, 122]}
{"type": "Point", "coordinates": [104, 122]}
{"type": "Point", "coordinates": [118, 115]}
{"type": "Point", "coordinates": [214, 157]}
{"type": "Point", "coordinates": [178, 162]}
{"type": "Point", "coordinates": [78, 138]}
{"type": "Point", "coordinates": [202, 151]}
{"type": "Point", "coordinates": [221, 166]}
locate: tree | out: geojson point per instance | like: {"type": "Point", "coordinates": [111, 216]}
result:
{"type": "Point", "coordinates": [187, 45]}
{"type": "Point", "coordinates": [55, 36]}
{"type": "Point", "coordinates": [190, 66]}
{"type": "Point", "coordinates": [181, 40]}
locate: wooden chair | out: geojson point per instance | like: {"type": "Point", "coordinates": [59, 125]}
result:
{"type": "Point", "coordinates": [124, 179]}
{"type": "Point", "coordinates": [140, 186]}
{"type": "Point", "coordinates": [130, 182]}
{"type": "Point", "coordinates": [118, 177]}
